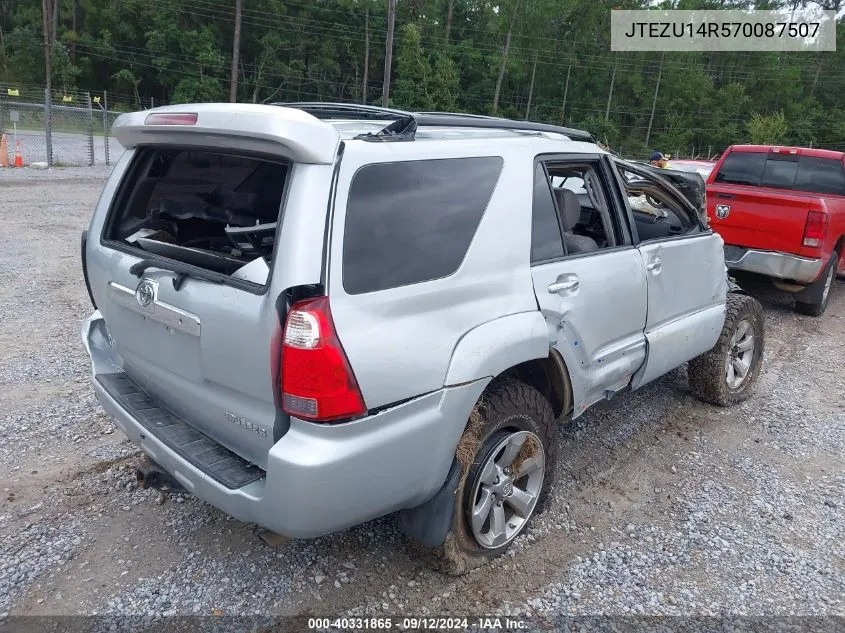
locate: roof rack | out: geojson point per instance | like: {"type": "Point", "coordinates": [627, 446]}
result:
{"type": "Point", "coordinates": [326, 110]}
{"type": "Point", "coordinates": [406, 123]}
{"type": "Point", "coordinates": [444, 119]}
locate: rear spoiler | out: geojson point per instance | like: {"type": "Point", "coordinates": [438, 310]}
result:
{"type": "Point", "coordinates": [287, 132]}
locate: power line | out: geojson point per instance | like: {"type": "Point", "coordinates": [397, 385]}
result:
{"type": "Point", "coordinates": [546, 56]}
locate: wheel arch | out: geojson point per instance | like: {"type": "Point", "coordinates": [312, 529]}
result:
{"type": "Point", "coordinates": [549, 376]}
{"type": "Point", "coordinates": [429, 522]}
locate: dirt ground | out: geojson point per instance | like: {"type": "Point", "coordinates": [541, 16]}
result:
{"type": "Point", "coordinates": [663, 505]}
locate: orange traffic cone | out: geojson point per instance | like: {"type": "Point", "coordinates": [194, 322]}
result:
{"type": "Point", "coordinates": [18, 157]}
{"type": "Point", "coordinates": [4, 151]}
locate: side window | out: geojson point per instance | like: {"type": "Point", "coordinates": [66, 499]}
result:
{"type": "Point", "coordinates": [581, 197]}
{"type": "Point", "coordinates": [742, 168]}
{"type": "Point", "coordinates": [820, 175]}
{"type": "Point", "coordinates": [408, 222]}
{"type": "Point", "coordinates": [657, 213]}
{"type": "Point", "coordinates": [546, 240]}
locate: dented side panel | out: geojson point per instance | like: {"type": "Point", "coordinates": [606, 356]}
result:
{"type": "Point", "coordinates": [597, 324]}
{"type": "Point", "coordinates": [491, 348]}
{"type": "Point", "coordinates": [687, 289]}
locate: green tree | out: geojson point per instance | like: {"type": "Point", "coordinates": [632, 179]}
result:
{"type": "Point", "coordinates": [767, 130]}
{"type": "Point", "coordinates": [423, 83]}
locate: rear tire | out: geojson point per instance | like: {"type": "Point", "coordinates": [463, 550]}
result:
{"type": "Point", "coordinates": [819, 291]}
{"type": "Point", "coordinates": [509, 454]}
{"type": "Point", "coordinates": [727, 373]}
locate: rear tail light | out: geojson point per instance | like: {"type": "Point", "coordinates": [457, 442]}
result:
{"type": "Point", "coordinates": [171, 118]}
{"type": "Point", "coordinates": [317, 382]}
{"type": "Point", "coordinates": [815, 230]}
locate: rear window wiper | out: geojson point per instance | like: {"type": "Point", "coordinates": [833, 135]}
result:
{"type": "Point", "coordinates": [183, 271]}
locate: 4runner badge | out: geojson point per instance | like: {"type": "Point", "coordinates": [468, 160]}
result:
{"type": "Point", "coordinates": [145, 293]}
{"type": "Point", "coordinates": [244, 424]}
{"type": "Point", "coordinates": [722, 211]}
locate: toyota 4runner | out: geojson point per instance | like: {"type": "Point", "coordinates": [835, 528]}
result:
{"type": "Point", "coordinates": [313, 315]}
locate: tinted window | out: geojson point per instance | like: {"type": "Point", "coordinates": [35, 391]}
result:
{"type": "Point", "coordinates": [820, 175]}
{"type": "Point", "coordinates": [413, 221]}
{"type": "Point", "coordinates": [780, 171]}
{"type": "Point", "coordinates": [742, 168]}
{"type": "Point", "coordinates": [546, 241]}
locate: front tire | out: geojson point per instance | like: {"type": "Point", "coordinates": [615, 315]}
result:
{"type": "Point", "coordinates": [819, 292]}
{"type": "Point", "coordinates": [727, 373]}
{"type": "Point", "coordinates": [509, 453]}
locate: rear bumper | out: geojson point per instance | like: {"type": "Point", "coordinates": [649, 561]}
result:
{"type": "Point", "coordinates": [773, 264]}
{"type": "Point", "coordinates": [319, 478]}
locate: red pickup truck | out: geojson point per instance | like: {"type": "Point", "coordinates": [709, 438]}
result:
{"type": "Point", "coordinates": [781, 213]}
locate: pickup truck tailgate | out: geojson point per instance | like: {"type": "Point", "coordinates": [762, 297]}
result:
{"type": "Point", "coordinates": [761, 218]}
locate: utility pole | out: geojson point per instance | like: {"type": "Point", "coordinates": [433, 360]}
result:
{"type": "Point", "coordinates": [55, 16]}
{"type": "Point", "coordinates": [654, 103]}
{"type": "Point", "coordinates": [565, 93]}
{"type": "Point", "coordinates": [48, 92]}
{"type": "Point", "coordinates": [531, 89]}
{"type": "Point", "coordinates": [504, 63]}
{"type": "Point", "coordinates": [45, 10]}
{"type": "Point", "coordinates": [610, 94]}
{"type": "Point", "coordinates": [388, 54]}
{"type": "Point", "coordinates": [366, 56]}
{"type": "Point", "coordinates": [236, 53]}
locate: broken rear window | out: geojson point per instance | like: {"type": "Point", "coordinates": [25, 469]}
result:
{"type": "Point", "coordinates": [210, 209]}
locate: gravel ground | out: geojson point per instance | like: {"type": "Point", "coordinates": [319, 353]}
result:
{"type": "Point", "coordinates": [68, 148]}
{"type": "Point", "coordinates": [664, 506]}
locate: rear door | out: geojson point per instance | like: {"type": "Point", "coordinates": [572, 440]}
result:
{"type": "Point", "coordinates": [685, 272]}
{"type": "Point", "coordinates": [187, 256]}
{"type": "Point", "coordinates": [751, 202]}
{"type": "Point", "coordinates": [588, 278]}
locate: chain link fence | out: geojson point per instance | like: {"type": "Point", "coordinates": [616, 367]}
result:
{"type": "Point", "coordinates": [59, 129]}
{"type": "Point", "coordinates": [73, 128]}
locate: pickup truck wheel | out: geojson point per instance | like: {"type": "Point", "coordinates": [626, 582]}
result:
{"type": "Point", "coordinates": [819, 291]}
{"type": "Point", "coordinates": [727, 373]}
{"type": "Point", "coordinates": [510, 455]}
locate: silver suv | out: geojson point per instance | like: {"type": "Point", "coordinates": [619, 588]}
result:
{"type": "Point", "coordinates": [313, 315]}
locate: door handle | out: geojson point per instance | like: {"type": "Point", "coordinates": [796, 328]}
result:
{"type": "Point", "coordinates": [560, 286]}
{"type": "Point", "coordinates": [655, 266]}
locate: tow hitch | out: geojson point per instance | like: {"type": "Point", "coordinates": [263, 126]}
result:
{"type": "Point", "coordinates": [151, 475]}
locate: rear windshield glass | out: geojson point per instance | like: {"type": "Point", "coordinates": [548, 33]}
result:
{"type": "Point", "coordinates": [742, 168]}
{"type": "Point", "coordinates": [213, 210]}
{"type": "Point", "coordinates": [779, 172]}
{"type": "Point", "coordinates": [784, 171]}
{"type": "Point", "coordinates": [409, 222]}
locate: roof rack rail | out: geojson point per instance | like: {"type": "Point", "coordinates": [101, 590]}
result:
{"type": "Point", "coordinates": [327, 110]}
{"type": "Point", "coordinates": [406, 123]}
{"type": "Point", "coordinates": [460, 114]}
{"type": "Point", "coordinates": [483, 122]}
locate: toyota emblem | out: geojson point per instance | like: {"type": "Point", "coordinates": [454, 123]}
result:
{"type": "Point", "coordinates": [722, 211]}
{"type": "Point", "coordinates": [145, 293]}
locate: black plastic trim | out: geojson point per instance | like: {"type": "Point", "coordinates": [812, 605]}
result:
{"type": "Point", "coordinates": [85, 268]}
{"type": "Point", "coordinates": [429, 523]}
{"type": "Point", "coordinates": [199, 450]}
